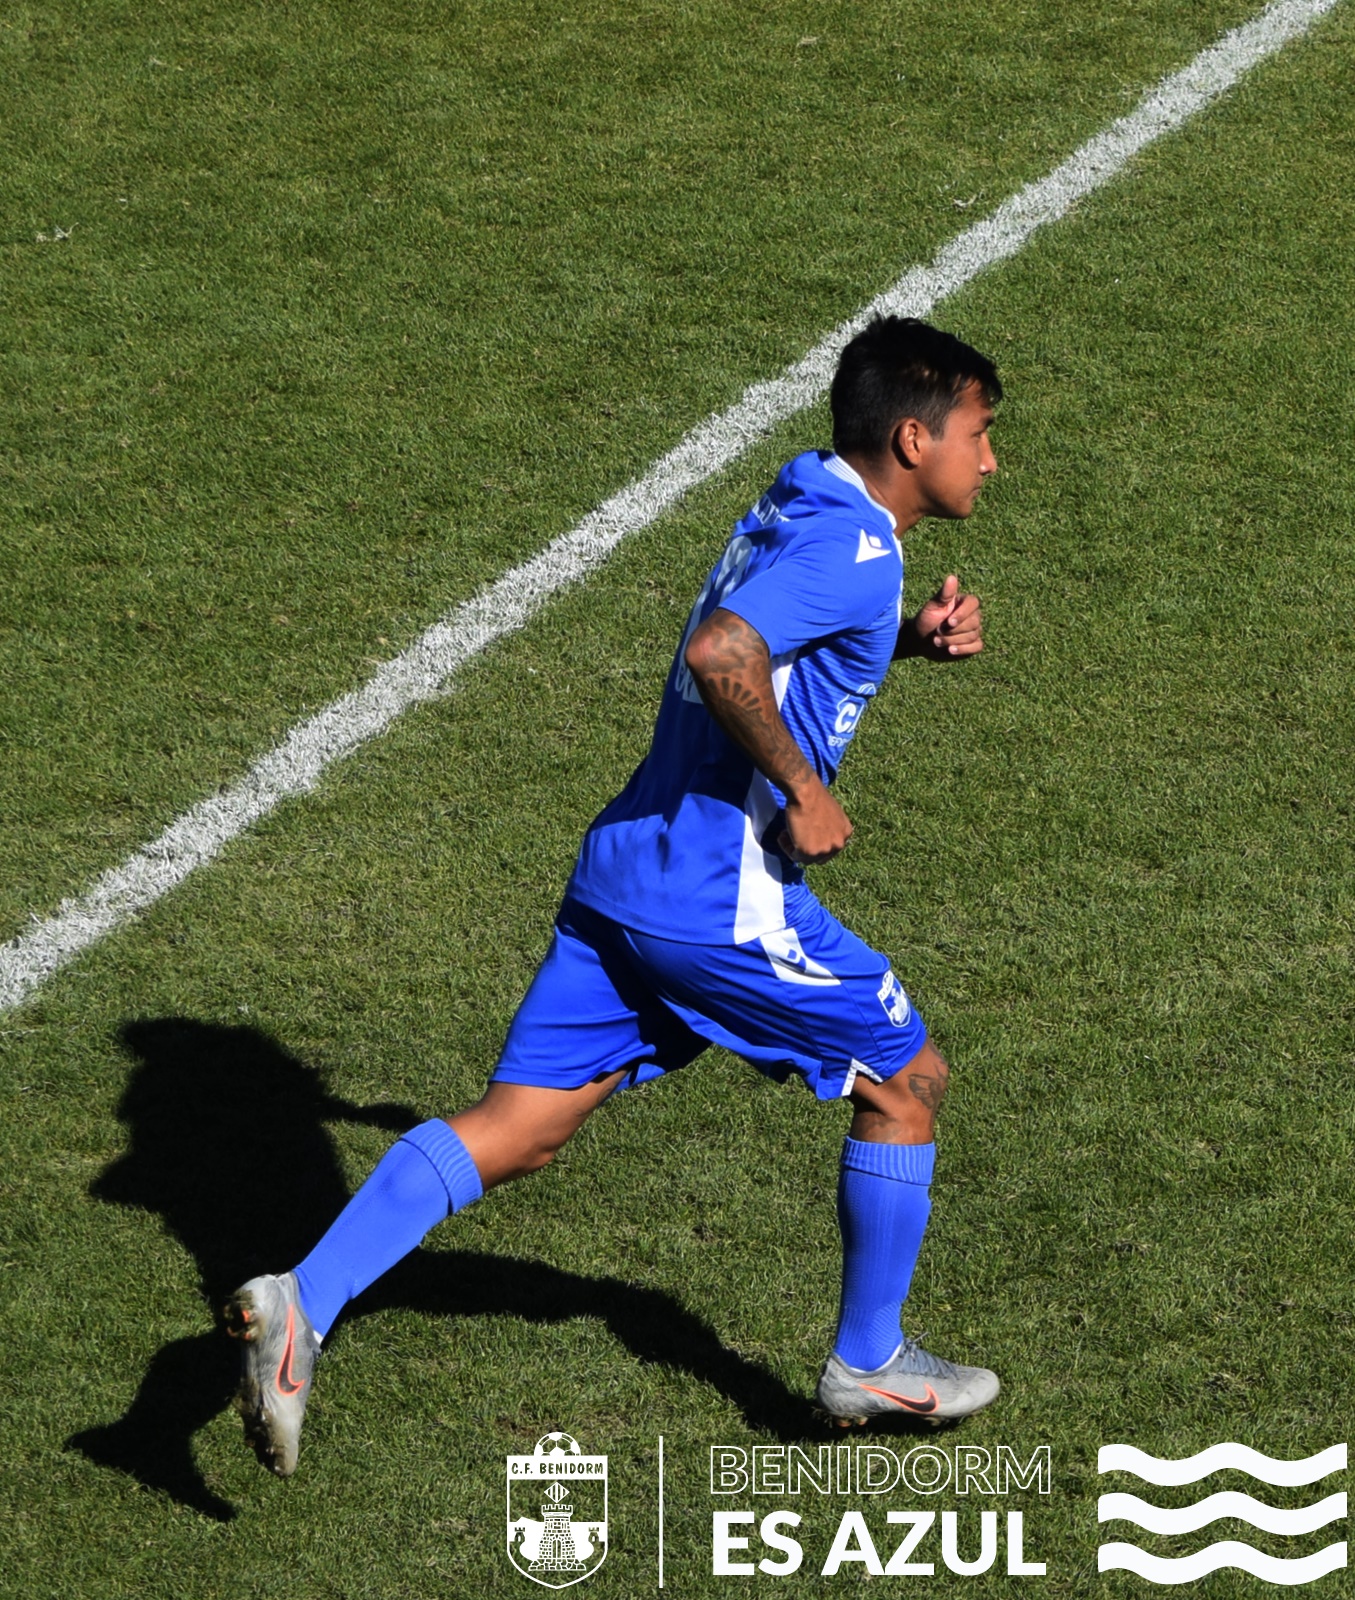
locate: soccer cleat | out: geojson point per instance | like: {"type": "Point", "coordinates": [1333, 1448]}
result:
{"type": "Point", "coordinates": [913, 1382]}
{"type": "Point", "coordinates": [278, 1351]}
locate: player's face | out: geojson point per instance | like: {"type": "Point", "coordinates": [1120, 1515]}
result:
{"type": "Point", "coordinates": [953, 466]}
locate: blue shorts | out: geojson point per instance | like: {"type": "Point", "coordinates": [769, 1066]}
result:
{"type": "Point", "coordinates": [813, 999]}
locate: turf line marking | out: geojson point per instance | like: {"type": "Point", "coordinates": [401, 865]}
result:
{"type": "Point", "coordinates": [422, 671]}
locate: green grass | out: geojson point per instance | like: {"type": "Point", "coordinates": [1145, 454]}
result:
{"type": "Point", "coordinates": [353, 314]}
{"type": "Point", "coordinates": [1112, 857]}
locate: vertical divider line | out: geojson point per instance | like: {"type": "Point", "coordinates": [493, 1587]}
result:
{"type": "Point", "coordinates": [660, 1511]}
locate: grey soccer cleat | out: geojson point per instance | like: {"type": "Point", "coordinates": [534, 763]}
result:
{"type": "Point", "coordinates": [278, 1354]}
{"type": "Point", "coordinates": [913, 1382]}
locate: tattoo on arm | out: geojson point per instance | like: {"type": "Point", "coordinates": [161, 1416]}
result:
{"type": "Point", "coordinates": [737, 689]}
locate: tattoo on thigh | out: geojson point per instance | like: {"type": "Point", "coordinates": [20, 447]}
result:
{"type": "Point", "coordinates": [927, 1089]}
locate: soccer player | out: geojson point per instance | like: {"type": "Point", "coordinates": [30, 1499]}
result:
{"type": "Point", "coordinates": [688, 922]}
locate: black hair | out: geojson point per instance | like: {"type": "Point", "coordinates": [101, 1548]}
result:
{"type": "Point", "coordinates": [898, 367]}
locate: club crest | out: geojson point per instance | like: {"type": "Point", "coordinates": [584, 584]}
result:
{"type": "Point", "coordinates": [557, 1512]}
{"type": "Point", "coordinates": [894, 1000]}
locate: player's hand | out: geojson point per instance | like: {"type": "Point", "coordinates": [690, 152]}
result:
{"type": "Point", "coordinates": [816, 826]}
{"type": "Point", "coordinates": [950, 625]}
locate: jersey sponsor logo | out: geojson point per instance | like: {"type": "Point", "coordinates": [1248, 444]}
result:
{"type": "Point", "coordinates": [894, 1000]}
{"type": "Point", "coordinates": [557, 1512]}
{"type": "Point", "coordinates": [849, 710]}
{"type": "Point", "coordinates": [871, 546]}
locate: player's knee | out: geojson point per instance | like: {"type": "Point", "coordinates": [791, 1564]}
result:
{"type": "Point", "coordinates": [925, 1078]}
{"type": "Point", "coordinates": [539, 1156]}
{"type": "Point", "coordinates": [903, 1108]}
{"type": "Point", "coordinates": [542, 1147]}
{"type": "Point", "coordinates": [933, 1073]}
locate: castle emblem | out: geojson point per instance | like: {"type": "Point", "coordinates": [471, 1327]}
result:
{"type": "Point", "coordinates": [557, 1512]}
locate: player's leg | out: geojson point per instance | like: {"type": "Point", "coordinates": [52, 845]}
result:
{"type": "Point", "coordinates": [816, 1000]}
{"type": "Point", "coordinates": [517, 1128]}
{"type": "Point", "coordinates": [436, 1169]}
{"type": "Point", "coordinates": [901, 1109]}
{"type": "Point", "coordinates": [884, 1202]}
{"type": "Point", "coordinates": [585, 1026]}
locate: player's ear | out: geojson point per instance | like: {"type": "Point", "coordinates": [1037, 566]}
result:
{"type": "Point", "coordinates": [906, 441]}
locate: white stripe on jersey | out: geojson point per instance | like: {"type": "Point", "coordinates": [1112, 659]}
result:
{"type": "Point", "coordinates": [762, 903]}
{"type": "Point", "coordinates": [761, 906]}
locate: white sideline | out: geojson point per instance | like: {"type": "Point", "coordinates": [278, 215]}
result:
{"type": "Point", "coordinates": [421, 672]}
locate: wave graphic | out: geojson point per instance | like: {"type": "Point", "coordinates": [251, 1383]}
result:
{"type": "Point", "coordinates": [1227, 1553]}
{"type": "Point", "coordinates": [1270, 1519]}
{"type": "Point", "coordinates": [1240, 1457]}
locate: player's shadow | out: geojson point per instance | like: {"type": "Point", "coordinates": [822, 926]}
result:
{"type": "Point", "coordinates": [227, 1142]}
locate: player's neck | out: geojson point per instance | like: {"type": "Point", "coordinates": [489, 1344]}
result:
{"type": "Point", "coordinates": [890, 485]}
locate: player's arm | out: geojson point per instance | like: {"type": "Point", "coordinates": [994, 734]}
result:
{"type": "Point", "coordinates": [948, 628]}
{"type": "Point", "coordinates": [732, 667]}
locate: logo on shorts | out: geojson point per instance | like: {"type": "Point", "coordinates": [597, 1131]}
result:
{"type": "Point", "coordinates": [557, 1512]}
{"type": "Point", "coordinates": [789, 961]}
{"type": "Point", "coordinates": [894, 1000]}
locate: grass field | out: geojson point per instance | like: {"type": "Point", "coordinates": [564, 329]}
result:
{"type": "Point", "coordinates": [313, 324]}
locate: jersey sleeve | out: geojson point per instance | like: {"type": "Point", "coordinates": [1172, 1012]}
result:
{"type": "Point", "coordinates": [819, 586]}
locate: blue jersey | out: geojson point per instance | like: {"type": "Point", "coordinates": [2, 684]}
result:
{"type": "Point", "coordinates": [688, 850]}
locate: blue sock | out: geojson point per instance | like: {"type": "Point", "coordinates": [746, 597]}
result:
{"type": "Point", "coordinates": [882, 1209]}
{"type": "Point", "coordinates": [421, 1179]}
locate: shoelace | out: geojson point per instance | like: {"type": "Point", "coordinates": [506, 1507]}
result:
{"type": "Point", "coordinates": [913, 1358]}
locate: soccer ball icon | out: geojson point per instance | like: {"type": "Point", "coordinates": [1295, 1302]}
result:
{"type": "Point", "coordinates": [557, 1444]}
